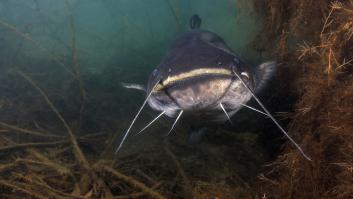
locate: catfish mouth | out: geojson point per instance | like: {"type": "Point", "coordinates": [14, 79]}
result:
{"type": "Point", "coordinates": [193, 75]}
{"type": "Point", "coordinates": [196, 90]}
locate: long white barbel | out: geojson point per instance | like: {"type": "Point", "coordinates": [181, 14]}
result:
{"type": "Point", "coordinates": [133, 121]}
{"type": "Point", "coordinates": [224, 110]}
{"type": "Point", "coordinates": [272, 118]}
{"type": "Point", "coordinates": [254, 109]}
{"type": "Point", "coordinates": [150, 123]}
{"type": "Point", "coordinates": [176, 120]}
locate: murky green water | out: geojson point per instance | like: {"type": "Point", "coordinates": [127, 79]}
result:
{"type": "Point", "coordinates": [80, 51]}
{"type": "Point", "coordinates": [127, 35]}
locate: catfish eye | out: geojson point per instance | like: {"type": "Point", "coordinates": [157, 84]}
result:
{"type": "Point", "coordinates": [244, 74]}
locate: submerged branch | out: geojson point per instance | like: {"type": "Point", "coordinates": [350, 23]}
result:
{"type": "Point", "coordinates": [36, 44]}
{"type": "Point", "coordinates": [21, 189]}
{"type": "Point", "coordinates": [62, 169]}
{"type": "Point", "coordinates": [32, 144]}
{"type": "Point", "coordinates": [77, 150]}
{"type": "Point", "coordinates": [133, 182]}
{"type": "Point", "coordinates": [75, 63]}
{"type": "Point", "coordinates": [29, 132]}
{"type": "Point", "coordinates": [137, 195]}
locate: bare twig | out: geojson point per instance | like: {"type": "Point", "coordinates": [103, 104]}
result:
{"type": "Point", "coordinates": [60, 168]}
{"type": "Point", "coordinates": [21, 189]}
{"type": "Point", "coordinates": [28, 38]}
{"type": "Point", "coordinates": [56, 167]}
{"type": "Point", "coordinates": [77, 150]}
{"type": "Point", "coordinates": [327, 22]}
{"type": "Point", "coordinates": [175, 14]}
{"type": "Point", "coordinates": [4, 167]}
{"type": "Point", "coordinates": [57, 193]}
{"type": "Point", "coordinates": [29, 132]}
{"type": "Point", "coordinates": [142, 174]}
{"type": "Point", "coordinates": [75, 62]}
{"type": "Point", "coordinates": [32, 144]}
{"type": "Point", "coordinates": [136, 195]}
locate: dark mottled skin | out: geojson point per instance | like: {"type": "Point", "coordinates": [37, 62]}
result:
{"type": "Point", "coordinates": [192, 50]}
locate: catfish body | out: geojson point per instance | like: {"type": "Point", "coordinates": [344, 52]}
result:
{"type": "Point", "coordinates": [197, 76]}
{"type": "Point", "coordinates": [200, 75]}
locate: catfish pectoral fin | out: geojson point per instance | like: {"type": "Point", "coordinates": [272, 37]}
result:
{"type": "Point", "coordinates": [263, 73]}
{"type": "Point", "coordinates": [133, 86]}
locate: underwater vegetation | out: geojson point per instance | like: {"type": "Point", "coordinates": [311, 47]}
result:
{"type": "Point", "coordinates": [322, 120]}
{"type": "Point", "coordinates": [62, 116]}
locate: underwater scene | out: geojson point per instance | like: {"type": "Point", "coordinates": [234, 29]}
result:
{"type": "Point", "coordinates": [174, 99]}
